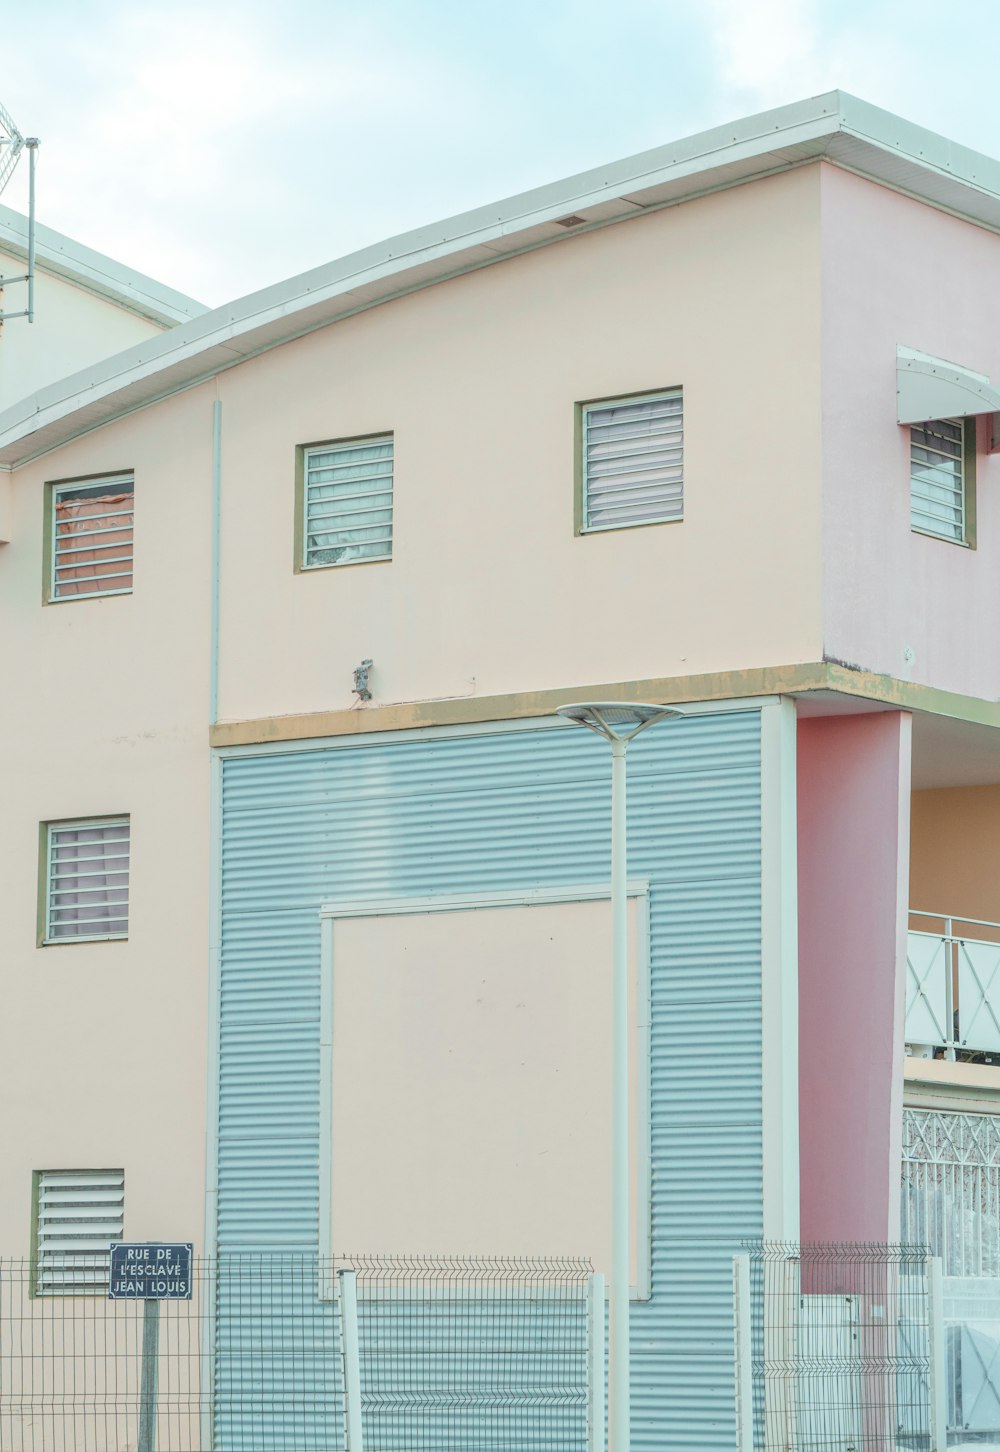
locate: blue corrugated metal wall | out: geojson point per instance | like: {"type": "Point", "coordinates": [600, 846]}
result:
{"type": "Point", "coordinates": [512, 810]}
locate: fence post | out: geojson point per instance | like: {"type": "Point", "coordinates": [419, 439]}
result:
{"type": "Point", "coordinates": [950, 1006]}
{"type": "Point", "coordinates": [352, 1359]}
{"type": "Point", "coordinates": [938, 1380]}
{"type": "Point", "coordinates": [147, 1386]}
{"type": "Point", "coordinates": [742, 1353]}
{"type": "Point", "coordinates": [595, 1363]}
{"type": "Point", "coordinates": [206, 1382]}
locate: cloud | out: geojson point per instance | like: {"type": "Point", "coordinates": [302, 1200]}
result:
{"type": "Point", "coordinates": [765, 53]}
{"type": "Point", "coordinates": [223, 146]}
{"type": "Point", "coordinates": [189, 140]}
{"type": "Point", "coordinates": [765, 49]}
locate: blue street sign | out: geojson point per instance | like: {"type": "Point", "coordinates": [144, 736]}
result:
{"type": "Point", "coordinates": [150, 1272]}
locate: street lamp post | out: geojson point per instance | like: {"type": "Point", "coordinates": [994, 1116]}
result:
{"type": "Point", "coordinates": [619, 723]}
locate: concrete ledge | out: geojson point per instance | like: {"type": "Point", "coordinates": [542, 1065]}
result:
{"type": "Point", "coordinates": [803, 679]}
{"type": "Point", "coordinates": [961, 1088]}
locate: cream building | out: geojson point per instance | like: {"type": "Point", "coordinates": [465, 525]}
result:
{"type": "Point", "coordinates": [87, 306]}
{"type": "Point", "coordinates": [362, 533]}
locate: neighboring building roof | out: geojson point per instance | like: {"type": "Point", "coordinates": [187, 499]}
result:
{"type": "Point", "coordinates": [835, 126]}
{"type": "Point", "coordinates": [65, 258]}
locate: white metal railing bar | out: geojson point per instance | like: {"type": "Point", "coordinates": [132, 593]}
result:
{"type": "Point", "coordinates": [953, 984]}
{"type": "Point", "coordinates": [938, 1383]}
{"type": "Point", "coordinates": [596, 1353]}
{"type": "Point", "coordinates": [743, 1352]}
{"type": "Point", "coordinates": [352, 1360]}
{"type": "Point", "coordinates": [954, 918]}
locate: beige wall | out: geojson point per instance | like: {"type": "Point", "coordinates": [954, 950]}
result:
{"type": "Point", "coordinates": [471, 1064]}
{"type": "Point", "coordinates": [489, 591]}
{"type": "Point", "coordinates": [104, 710]}
{"type": "Point", "coordinates": [72, 328]}
{"type": "Point", "coordinates": [105, 702]}
{"type": "Point", "coordinates": [103, 1047]}
{"type": "Point", "coordinates": [954, 852]}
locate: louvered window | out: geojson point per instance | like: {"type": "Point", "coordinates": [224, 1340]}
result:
{"type": "Point", "coordinates": [91, 532]}
{"type": "Point", "coordinates": [937, 478]}
{"type": "Point", "coordinates": [87, 880]}
{"type": "Point", "coordinates": [633, 461]}
{"type": "Point", "coordinates": [79, 1214]}
{"type": "Point", "coordinates": [348, 502]}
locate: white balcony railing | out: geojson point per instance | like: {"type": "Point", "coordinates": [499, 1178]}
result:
{"type": "Point", "coordinates": [953, 985]}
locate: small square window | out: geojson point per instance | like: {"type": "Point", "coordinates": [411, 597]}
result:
{"type": "Point", "coordinates": [632, 455]}
{"type": "Point", "coordinates": [347, 491]}
{"type": "Point", "coordinates": [942, 474]}
{"type": "Point", "coordinates": [86, 867]}
{"type": "Point", "coordinates": [90, 533]}
{"type": "Point", "coordinates": [77, 1214]}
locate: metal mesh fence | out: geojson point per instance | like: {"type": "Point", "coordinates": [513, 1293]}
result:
{"type": "Point", "coordinates": [454, 1356]}
{"type": "Point", "coordinates": [473, 1355]}
{"type": "Point", "coordinates": [840, 1347]}
{"type": "Point", "coordinates": [71, 1368]}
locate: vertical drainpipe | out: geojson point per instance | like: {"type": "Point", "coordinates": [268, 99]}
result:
{"type": "Point", "coordinates": [214, 959]}
{"type": "Point", "coordinates": [215, 857]}
{"type": "Point", "coordinates": [213, 688]}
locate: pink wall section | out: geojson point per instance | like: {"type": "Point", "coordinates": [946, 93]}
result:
{"type": "Point", "coordinates": [897, 271]}
{"type": "Point", "coordinates": [853, 823]}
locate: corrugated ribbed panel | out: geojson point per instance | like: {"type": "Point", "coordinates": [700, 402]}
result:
{"type": "Point", "coordinates": [683, 1401]}
{"type": "Point", "coordinates": [279, 1387]}
{"type": "Point", "coordinates": [515, 810]}
{"type": "Point", "coordinates": [478, 1371]}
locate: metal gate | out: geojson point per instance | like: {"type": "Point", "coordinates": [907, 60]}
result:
{"type": "Point", "coordinates": [951, 1203]}
{"type": "Point", "coordinates": [838, 1348]}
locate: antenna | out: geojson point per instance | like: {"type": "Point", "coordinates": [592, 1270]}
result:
{"type": "Point", "coordinates": [12, 143]}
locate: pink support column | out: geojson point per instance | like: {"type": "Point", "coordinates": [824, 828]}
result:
{"type": "Point", "coordinates": [854, 831]}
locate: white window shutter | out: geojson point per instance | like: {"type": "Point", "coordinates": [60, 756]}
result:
{"type": "Point", "coordinates": [348, 502]}
{"type": "Point", "coordinates": [88, 874]}
{"type": "Point", "coordinates": [937, 478]}
{"type": "Point", "coordinates": [80, 1213]}
{"type": "Point", "coordinates": [92, 525]}
{"type": "Point", "coordinates": [633, 461]}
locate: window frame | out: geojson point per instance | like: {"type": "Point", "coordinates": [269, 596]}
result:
{"type": "Point", "coordinates": [35, 1289]}
{"type": "Point", "coordinates": [640, 1021]}
{"type": "Point", "coordinates": [45, 830]}
{"type": "Point", "coordinates": [52, 491]}
{"type": "Point", "coordinates": [970, 435]}
{"type": "Point", "coordinates": [581, 409]}
{"type": "Point", "coordinates": [302, 452]}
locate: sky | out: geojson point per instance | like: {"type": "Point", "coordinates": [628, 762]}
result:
{"type": "Point", "coordinates": [224, 145]}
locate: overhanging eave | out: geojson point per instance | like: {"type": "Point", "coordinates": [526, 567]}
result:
{"type": "Point", "coordinates": [931, 388]}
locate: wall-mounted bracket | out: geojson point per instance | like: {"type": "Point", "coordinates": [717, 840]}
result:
{"type": "Point", "coordinates": [30, 144]}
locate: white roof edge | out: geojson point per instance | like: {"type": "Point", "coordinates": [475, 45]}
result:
{"type": "Point", "coordinates": [71, 260]}
{"type": "Point", "coordinates": [833, 125]}
{"type": "Point", "coordinates": [925, 148]}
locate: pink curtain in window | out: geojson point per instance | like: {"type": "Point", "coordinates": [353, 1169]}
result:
{"type": "Point", "coordinates": [100, 566]}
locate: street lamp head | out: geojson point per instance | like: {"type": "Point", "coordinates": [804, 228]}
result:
{"type": "Point", "coordinates": [615, 720]}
